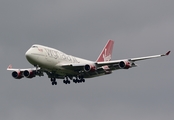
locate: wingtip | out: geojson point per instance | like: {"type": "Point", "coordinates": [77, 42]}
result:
{"type": "Point", "coordinates": [9, 67]}
{"type": "Point", "coordinates": [168, 53]}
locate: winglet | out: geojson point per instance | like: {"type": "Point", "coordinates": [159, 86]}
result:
{"type": "Point", "coordinates": [166, 54]}
{"type": "Point", "coordinates": [9, 67]}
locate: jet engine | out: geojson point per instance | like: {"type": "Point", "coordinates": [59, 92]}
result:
{"type": "Point", "coordinates": [17, 74]}
{"type": "Point", "coordinates": [29, 73]}
{"type": "Point", "coordinates": [89, 68]}
{"type": "Point", "coordinates": [125, 64]}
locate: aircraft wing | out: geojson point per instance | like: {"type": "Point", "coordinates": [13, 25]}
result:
{"type": "Point", "coordinates": [130, 61]}
{"type": "Point", "coordinates": [150, 57]}
{"type": "Point", "coordinates": [10, 68]}
{"type": "Point", "coordinates": [97, 68]}
{"type": "Point", "coordinates": [28, 72]}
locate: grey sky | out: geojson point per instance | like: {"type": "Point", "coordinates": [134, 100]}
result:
{"type": "Point", "coordinates": [82, 28]}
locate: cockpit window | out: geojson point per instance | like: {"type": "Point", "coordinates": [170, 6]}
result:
{"type": "Point", "coordinates": [34, 46]}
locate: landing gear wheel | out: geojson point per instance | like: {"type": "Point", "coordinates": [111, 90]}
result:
{"type": "Point", "coordinates": [52, 83]}
{"type": "Point", "coordinates": [74, 80]}
{"type": "Point", "coordinates": [53, 80]}
{"type": "Point", "coordinates": [83, 80]}
{"type": "Point", "coordinates": [66, 81]}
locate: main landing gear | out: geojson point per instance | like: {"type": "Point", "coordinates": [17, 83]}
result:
{"type": "Point", "coordinates": [79, 79]}
{"type": "Point", "coordinates": [53, 80]}
{"type": "Point", "coordinates": [66, 81]}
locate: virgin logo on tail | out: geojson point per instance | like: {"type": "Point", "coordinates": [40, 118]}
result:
{"type": "Point", "coordinates": [106, 54]}
{"type": "Point", "coordinates": [106, 57]}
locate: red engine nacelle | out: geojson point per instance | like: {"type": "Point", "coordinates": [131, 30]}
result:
{"type": "Point", "coordinates": [125, 64]}
{"type": "Point", "coordinates": [17, 74]}
{"type": "Point", "coordinates": [29, 73]}
{"type": "Point", "coordinates": [89, 68]}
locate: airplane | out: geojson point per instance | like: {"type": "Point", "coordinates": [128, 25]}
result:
{"type": "Point", "coordinates": [58, 65]}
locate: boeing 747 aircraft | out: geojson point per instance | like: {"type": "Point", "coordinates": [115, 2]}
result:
{"type": "Point", "coordinates": [58, 65]}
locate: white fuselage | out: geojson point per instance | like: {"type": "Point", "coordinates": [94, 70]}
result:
{"type": "Point", "coordinates": [50, 58]}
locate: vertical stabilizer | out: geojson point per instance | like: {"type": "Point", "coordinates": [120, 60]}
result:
{"type": "Point", "coordinates": [106, 53]}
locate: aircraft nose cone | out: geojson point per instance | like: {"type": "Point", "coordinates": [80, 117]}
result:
{"type": "Point", "coordinates": [31, 57]}
{"type": "Point", "coordinates": [28, 54]}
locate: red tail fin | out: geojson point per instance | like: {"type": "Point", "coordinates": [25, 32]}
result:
{"type": "Point", "coordinates": [106, 54]}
